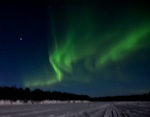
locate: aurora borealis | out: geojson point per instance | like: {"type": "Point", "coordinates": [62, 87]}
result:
{"type": "Point", "coordinates": [87, 47]}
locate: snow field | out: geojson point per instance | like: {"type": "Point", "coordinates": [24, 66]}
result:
{"type": "Point", "coordinates": [76, 109]}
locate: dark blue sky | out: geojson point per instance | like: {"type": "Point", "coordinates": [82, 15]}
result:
{"type": "Point", "coordinates": [84, 47]}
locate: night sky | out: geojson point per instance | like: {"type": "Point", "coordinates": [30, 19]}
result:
{"type": "Point", "coordinates": [92, 47]}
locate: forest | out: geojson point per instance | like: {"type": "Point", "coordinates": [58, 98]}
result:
{"type": "Point", "coordinates": [13, 93]}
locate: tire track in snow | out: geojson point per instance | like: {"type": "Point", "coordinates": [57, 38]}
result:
{"type": "Point", "coordinates": [135, 110]}
{"type": "Point", "coordinates": [117, 110]}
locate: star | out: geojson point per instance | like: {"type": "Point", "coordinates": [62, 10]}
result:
{"type": "Point", "coordinates": [20, 39]}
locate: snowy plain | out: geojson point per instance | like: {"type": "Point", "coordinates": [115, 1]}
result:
{"type": "Point", "coordinates": [74, 109]}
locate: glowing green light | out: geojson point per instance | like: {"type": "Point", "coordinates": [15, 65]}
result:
{"type": "Point", "coordinates": [87, 37]}
{"type": "Point", "coordinates": [124, 47]}
{"type": "Point", "coordinates": [41, 83]}
{"type": "Point", "coordinates": [58, 72]}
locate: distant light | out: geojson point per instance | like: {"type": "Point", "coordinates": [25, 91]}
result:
{"type": "Point", "coordinates": [20, 38]}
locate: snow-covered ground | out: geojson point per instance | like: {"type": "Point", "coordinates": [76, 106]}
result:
{"type": "Point", "coordinates": [75, 109]}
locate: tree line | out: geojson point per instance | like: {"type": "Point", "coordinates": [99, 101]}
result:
{"type": "Point", "coordinates": [13, 93]}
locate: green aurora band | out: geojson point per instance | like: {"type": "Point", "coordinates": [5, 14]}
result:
{"type": "Point", "coordinates": [84, 39]}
